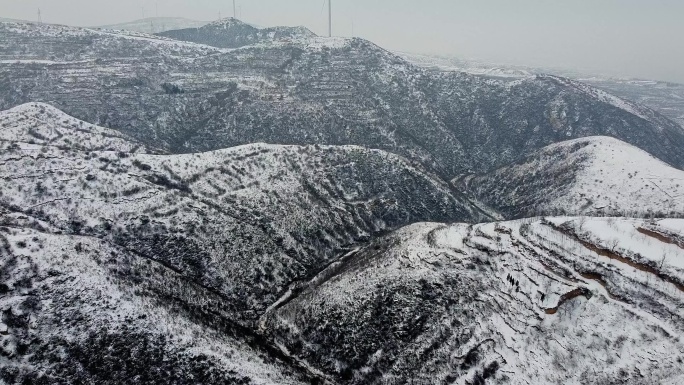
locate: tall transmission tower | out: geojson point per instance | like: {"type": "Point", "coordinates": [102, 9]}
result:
{"type": "Point", "coordinates": [40, 17]}
{"type": "Point", "coordinates": [329, 18]}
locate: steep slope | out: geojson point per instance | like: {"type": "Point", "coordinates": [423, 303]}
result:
{"type": "Point", "coordinates": [592, 176]}
{"type": "Point", "coordinates": [519, 116]}
{"type": "Point", "coordinates": [527, 302]}
{"type": "Point", "coordinates": [244, 222]}
{"type": "Point", "coordinates": [233, 33]}
{"type": "Point", "coordinates": [156, 24]}
{"type": "Point", "coordinates": [185, 97]}
{"type": "Point", "coordinates": [76, 309]}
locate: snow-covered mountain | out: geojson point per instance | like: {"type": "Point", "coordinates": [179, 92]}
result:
{"type": "Point", "coordinates": [665, 97]}
{"type": "Point", "coordinates": [274, 210]}
{"type": "Point", "coordinates": [588, 176]}
{"type": "Point", "coordinates": [187, 97]}
{"type": "Point", "coordinates": [156, 24]}
{"type": "Point", "coordinates": [78, 309]}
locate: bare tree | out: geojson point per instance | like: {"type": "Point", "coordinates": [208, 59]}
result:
{"type": "Point", "coordinates": [613, 244]}
{"type": "Point", "coordinates": [582, 223]}
{"type": "Point", "coordinates": [661, 263]}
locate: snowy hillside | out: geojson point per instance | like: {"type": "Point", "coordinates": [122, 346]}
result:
{"type": "Point", "coordinates": [591, 176]}
{"type": "Point", "coordinates": [42, 124]}
{"type": "Point", "coordinates": [605, 97]}
{"type": "Point", "coordinates": [526, 302]}
{"type": "Point", "coordinates": [448, 63]}
{"type": "Point", "coordinates": [665, 97]}
{"type": "Point", "coordinates": [77, 309]}
{"type": "Point", "coordinates": [245, 221]}
{"type": "Point", "coordinates": [262, 264]}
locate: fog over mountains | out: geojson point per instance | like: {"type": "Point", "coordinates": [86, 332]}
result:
{"type": "Point", "coordinates": [228, 204]}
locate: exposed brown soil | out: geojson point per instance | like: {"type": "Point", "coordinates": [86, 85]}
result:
{"type": "Point", "coordinates": [580, 291]}
{"type": "Point", "coordinates": [661, 237]}
{"type": "Point", "coordinates": [599, 278]}
{"type": "Point", "coordinates": [613, 255]}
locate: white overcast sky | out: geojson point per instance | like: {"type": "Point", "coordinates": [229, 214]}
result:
{"type": "Point", "coordinates": [636, 38]}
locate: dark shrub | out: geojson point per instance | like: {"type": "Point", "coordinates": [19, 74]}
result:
{"type": "Point", "coordinates": [172, 89]}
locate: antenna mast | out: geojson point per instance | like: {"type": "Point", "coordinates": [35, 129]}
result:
{"type": "Point", "coordinates": [40, 18]}
{"type": "Point", "coordinates": [329, 18]}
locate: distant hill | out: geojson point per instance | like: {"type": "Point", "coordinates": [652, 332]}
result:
{"type": "Point", "coordinates": [6, 20]}
{"type": "Point", "coordinates": [156, 24]}
{"type": "Point", "coordinates": [233, 33]}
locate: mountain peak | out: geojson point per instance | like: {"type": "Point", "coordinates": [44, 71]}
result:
{"type": "Point", "coordinates": [227, 23]}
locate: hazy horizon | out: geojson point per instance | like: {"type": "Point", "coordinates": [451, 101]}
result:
{"type": "Point", "coordinates": [626, 38]}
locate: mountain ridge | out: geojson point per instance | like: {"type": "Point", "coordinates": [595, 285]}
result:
{"type": "Point", "coordinates": [149, 250]}
{"type": "Point", "coordinates": [184, 97]}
